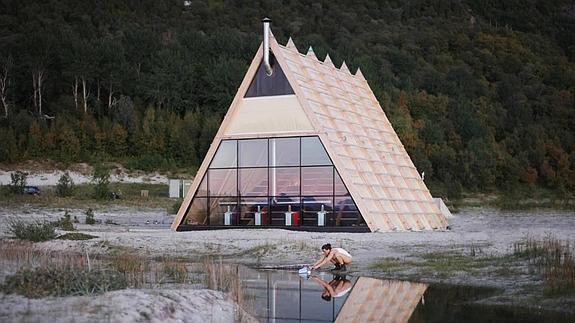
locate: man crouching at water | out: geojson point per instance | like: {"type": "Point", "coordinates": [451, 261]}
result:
{"type": "Point", "coordinates": [337, 256]}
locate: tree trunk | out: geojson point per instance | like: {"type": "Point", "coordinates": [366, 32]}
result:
{"type": "Point", "coordinates": [75, 92]}
{"type": "Point", "coordinates": [37, 80]}
{"type": "Point", "coordinates": [4, 80]}
{"type": "Point", "coordinates": [40, 80]}
{"type": "Point", "coordinates": [35, 86]}
{"type": "Point", "coordinates": [98, 92]}
{"type": "Point", "coordinates": [85, 94]}
{"type": "Point", "coordinates": [110, 93]}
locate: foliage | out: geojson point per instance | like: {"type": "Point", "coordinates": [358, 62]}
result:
{"type": "Point", "coordinates": [65, 186]}
{"type": "Point", "coordinates": [34, 231]}
{"type": "Point", "coordinates": [481, 93]}
{"type": "Point", "coordinates": [62, 281]}
{"type": "Point", "coordinates": [17, 182]}
{"type": "Point", "coordinates": [101, 180]}
{"type": "Point", "coordinates": [65, 223]}
{"type": "Point", "coordinates": [90, 217]}
{"type": "Point", "coordinates": [553, 259]}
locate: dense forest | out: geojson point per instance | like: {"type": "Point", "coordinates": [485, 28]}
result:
{"type": "Point", "coordinates": [481, 92]}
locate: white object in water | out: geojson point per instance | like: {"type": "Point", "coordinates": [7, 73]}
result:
{"type": "Point", "coordinates": [305, 270]}
{"type": "Point", "coordinates": [228, 217]}
{"type": "Point", "coordinates": [288, 216]}
{"type": "Point", "coordinates": [321, 217]}
{"type": "Point", "coordinates": [258, 216]}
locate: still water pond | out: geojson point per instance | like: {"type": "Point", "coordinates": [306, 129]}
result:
{"type": "Point", "coordinates": [284, 296]}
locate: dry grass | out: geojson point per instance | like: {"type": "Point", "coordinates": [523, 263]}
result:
{"type": "Point", "coordinates": [552, 258]}
{"type": "Point", "coordinates": [72, 273]}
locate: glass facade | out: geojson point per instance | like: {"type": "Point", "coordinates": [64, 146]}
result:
{"type": "Point", "coordinates": [273, 182]}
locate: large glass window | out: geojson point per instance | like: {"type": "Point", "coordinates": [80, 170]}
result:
{"type": "Point", "coordinates": [340, 188]}
{"type": "Point", "coordinates": [313, 152]}
{"type": "Point", "coordinates": [317, 180]}
{"type": "Point", "coordinates": [198, 212]}
{"type": "Point", "coordinates": [285, 210]}
{"type": "Point", "coordinates": [223, 182]}
{"type": "Point", "coordinates": [223, 211]}
{"type": "Point", "coordinates": [284, 152]}
{"type": "Point", "coordinates": [346, 213]}
{"type": "Point", "coordinates": [253, 152]}
{"type": "Point", "coordinates": [254, 211]}
{"type": "Point", "coordinates": [227, 155]}
{"type": "Point", "coordinates": [272, 182]}
{"type": "Point", "coordinates": [253, 181]}
{"type": "Point", "coordinates": [284, 181]}
{"type": "Point", "coordinates": [203, 188]}
{"type": "Point", "coordinates": [317, 210]}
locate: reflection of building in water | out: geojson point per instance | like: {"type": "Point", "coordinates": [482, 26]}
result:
{"type": "Point", "coordinates": [375, 300]}
{"type": "Point", "coordinates": [279, 296]}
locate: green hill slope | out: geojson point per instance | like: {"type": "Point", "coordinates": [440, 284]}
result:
{"type": "Point", "coordinates": [481, 92]}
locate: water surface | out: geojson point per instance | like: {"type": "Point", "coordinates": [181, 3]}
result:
{"type": "Point", "coordinates": [284, 296]}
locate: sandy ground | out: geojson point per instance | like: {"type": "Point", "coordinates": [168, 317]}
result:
{"type": "Point", "coordinates": [493, 231]}
{"type": "Point", "coordinates": [50, 178]}
{"type": "Point", "coordinates": [490, 231]}
{"type": "Point", "coordinates": [124, 306]}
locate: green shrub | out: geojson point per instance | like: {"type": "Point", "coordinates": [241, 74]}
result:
{"type": "Point", "coordinates": [18, 182]}
{"type": "Point", "coordinates": [34, 231]}
{"type": "Point", "coordinates": [65, 186]}
{"type": "Point", "coordinates": [62, 281]}
{"type": "Point", "coordinates": [65, 223]}
{"type": "Point", "coordinates": [101, 180]}
{"type": "Point", "coordinates": [90, 217]}
{"type": "Point", "coordinates": [149, 163]}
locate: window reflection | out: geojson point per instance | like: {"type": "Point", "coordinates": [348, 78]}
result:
{"type": "Point", "coordinates": [340, 188]}
{"type": "Point", "coordinates": [253, 182]}
{"type": "Point", "coordinates": [346, 213]}
{"type": "Point", "coordinates": [317, 180]}
{"type": "Point", "coordinates": [222, 182]}
{"type": "Point", "coordinates": [313, 152]}
{"type": "Point", "coordinates": [198, 212]}
{"type": "Point", "coordinates": [203, 188]}
{"type": "Point", "coordinates": [226, 156]}
{"type": "Point", "coordinates": [253, 152]}
{"type": "Point", "coordinates": [284, 181]}
{"type": "Point", "coordinates": [284, 152]}
{"type": "Point", "coordinates": [267, 183]}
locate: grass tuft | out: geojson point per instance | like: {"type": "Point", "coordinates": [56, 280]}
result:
{"type": "Point", "coordinates": [31, 231]}
{"type": "Point", "coordinates": [62, 281]}
{"type": "Point", "coordinates": [553, 259]}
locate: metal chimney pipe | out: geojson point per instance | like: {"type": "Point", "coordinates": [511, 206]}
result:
{"type": "Point", "coordinates": [268, 66]}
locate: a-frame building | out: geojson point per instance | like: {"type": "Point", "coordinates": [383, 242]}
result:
{"type": "Point", "coordinates": [305, 145]}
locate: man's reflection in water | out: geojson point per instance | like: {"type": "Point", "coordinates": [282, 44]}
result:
{"type": "Point", "coordinates": [337, 287]}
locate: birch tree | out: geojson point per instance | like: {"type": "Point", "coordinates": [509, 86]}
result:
{"type": "Point", "coordinates": [6, 65]}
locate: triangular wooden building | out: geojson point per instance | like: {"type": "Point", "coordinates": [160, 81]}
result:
{"type": "Point", "coordinates": [305, 145]}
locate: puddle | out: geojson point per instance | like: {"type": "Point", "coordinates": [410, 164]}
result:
{"type": "Point", "coordinates": [284, 296]}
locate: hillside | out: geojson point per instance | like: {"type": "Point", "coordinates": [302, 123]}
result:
{"type": "Point", "coordinates": [481, 92]}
